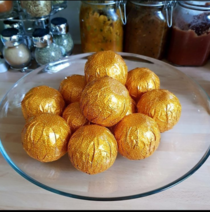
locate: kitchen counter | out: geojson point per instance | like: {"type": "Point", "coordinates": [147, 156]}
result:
{"type": "Point", "coordinates": [18, 193]}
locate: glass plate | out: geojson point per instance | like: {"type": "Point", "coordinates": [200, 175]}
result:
{"type": "Point", "coordinates": [181, 152]}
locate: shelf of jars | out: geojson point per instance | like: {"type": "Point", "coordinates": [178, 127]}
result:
{"type": "Point", "coordinates": [31, 36]}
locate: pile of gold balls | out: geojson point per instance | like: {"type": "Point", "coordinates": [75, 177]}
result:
{"type": "Point", "coordinates": [95, 116]}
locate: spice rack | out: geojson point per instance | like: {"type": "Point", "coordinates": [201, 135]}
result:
{"type": "Point", "coordinates": [28, 23]}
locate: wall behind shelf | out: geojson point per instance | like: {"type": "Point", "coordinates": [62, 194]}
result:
{"type": "Point", "coordinates": [71, 13]}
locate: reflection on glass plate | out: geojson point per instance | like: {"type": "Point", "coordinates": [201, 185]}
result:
{"type": "Point", "coordinates": [181, 152]}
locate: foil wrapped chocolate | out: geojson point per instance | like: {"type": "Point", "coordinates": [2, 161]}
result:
{"type": "Point", "coordinates": [74, 117]}
{"type": "Point", "coordinates": [105, 101]}
{"type": "Point", "coordinates": [71, 88]}
{"type": "Point", "coordinates": [140, 81]}
{"type": "Point", "coordinates": [45, 137]}
{"type": "Point", "coordinates": [132, 107]}
{"type": "Point", "coordinates": [42, 99]}
{"type": "Point", "coordinates": [138, 136]}
{"type": "Point", "coordinates": [106, 63]}
{"type": "Point", "coordinates": [92, 149]}
{"type": "Point", "coordinates": [161, 105]}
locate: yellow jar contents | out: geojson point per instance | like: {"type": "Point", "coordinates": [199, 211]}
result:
{"type": "Point", "coordinates": [101, 28]}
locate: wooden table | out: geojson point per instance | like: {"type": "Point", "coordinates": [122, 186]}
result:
{"type": "Point", "coordinates": [18, 193]}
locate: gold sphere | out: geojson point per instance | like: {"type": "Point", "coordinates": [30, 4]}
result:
{"type": "Point", "coordinates": [161, 105]}
{"type": "Point", "coordinates": [74, 117]}
{"type": "Point", "coordinates": [137, 135]}
{"type": "Point", "coordinates": [71, 88]}
{"type": "Point", "coordinates": [140, 81]}
{"type": "Point", "coordinates": [42, 99]}
{"type": "Point", "coordinates": [45, 137]}
{"type": "Point", "coordinates": [106, 63]}
{"type": "Point", "coordinates": [92, 149]}
{"type": "Point", "coordinates": [105, 101]}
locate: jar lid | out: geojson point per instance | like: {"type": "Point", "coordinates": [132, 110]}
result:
{"type": "Point", "coordinates": [11, 24]}
{"type": "Point", "coordinates": [41, 37]}
{"type": "Point", "coordinates": [10, 37]}
{"type": "Point", "coordinates": [59, 25]}
{"type": "Point", "coordinates": [201, 5]}
{"type": "Point", "coordinates": [149, 3]}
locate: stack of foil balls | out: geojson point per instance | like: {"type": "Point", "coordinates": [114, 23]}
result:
{"type": "Point", "coordinates": [95, 116]}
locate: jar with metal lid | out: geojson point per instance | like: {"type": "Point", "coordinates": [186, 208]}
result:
{"type": "Point", "coordinates": [37, 9]}
{"type": "Point", "coordinates": [59, 5]}
{"type": "Point", "coordinates": [46, 51]}
{"type": "Point", "coordinates": [61, 35]}
{"type": "Point", "coordinates": [147, 28]}
{"type": "Point", "coordinates": [101, 25]}
{"type": "Point", "coordinates": [15, 52]}
{"type": "Point", "coordinates": [6, 7]}
{"type": "Point", "coordinates": [190, 34]}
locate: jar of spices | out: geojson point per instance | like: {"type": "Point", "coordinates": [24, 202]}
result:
{"type": "Point", "coordinates": [59, 5]}
{"type": "Point", "coordinates": [101, 25]}
{"type": "Point", "coordinates": [46, 51]}
{"type": "Point", "coordinates": [15, 52]}
{"type": "Point", "coordinates": [190, 34]}
{"type": "Point", "coordinates": [6, 7]}
{"type": "Point", "coordinates": [61, 36]}
{"type": "Point", "coordinates": [37, 9]}
{"type": "Point", "coordinates": [147, 27]}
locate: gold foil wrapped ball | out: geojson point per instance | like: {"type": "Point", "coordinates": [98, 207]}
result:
{"type": "Point", "coordinates": [92, 149]}
{"type": "Point", "coordinates": [42, 99]}
{"type": "Point", "coordinates": [141, 80]}
{"type": "Point", "coordinates": [71, 88]}
{"type": "Point", "coordinates": [105, 101]}
{"type": "Point", "coordinates": [45, 137]}
{"type": "Point", "coordinates": [74, 117]}
{"type": "Point", "coordinates": [106, 63]}
{"type": "Point", "coordinates": [137, 135]}
{"type": "Point", "coordinates": [132, 107]}
{"type": "Point", "coordinates": [161, 105]}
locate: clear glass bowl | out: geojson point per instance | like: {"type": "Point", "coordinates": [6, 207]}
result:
{"type": "Point", "coordinates": [181, 152]}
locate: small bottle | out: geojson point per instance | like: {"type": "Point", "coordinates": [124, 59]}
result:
{"type": "Point", "coordinates": [15, 52]}
{"type": "Point", "coordinates": [36, 9]}
{"type": "Point", "coordinates": [59, 5]}
{"type": "Point", "coordinates": [6, 7]}
{"type": "Point", "coordinates": [46, 51]}
{"type": "Point", "coordinates": [61, 36]}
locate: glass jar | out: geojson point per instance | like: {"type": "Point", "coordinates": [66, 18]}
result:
{"type": "Point", "coordinates": [46, 51]}
{"type": "Point", "coordinates": [61, 36]}
{"type": "Point", "coordinates": [15, 52]}
{"type": "Point", "coordinates": [101, 25]}
{"type": "Point", "coordinates": [147, 27]}
{"type": "Point", "coordinates": [190, 34]}
{"type": "Point", "coordinates": [6, 7]}
{"type": "Point", "coordinates": [59, 5]}
{"type": "Point", "coordinates": [36, 9]}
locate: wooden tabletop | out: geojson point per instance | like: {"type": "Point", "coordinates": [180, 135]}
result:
{"type": "Point", "coordinates": [18, 193]}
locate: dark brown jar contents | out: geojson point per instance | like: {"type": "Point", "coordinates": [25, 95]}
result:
{"type": "Point", "coordinates": [190, 44]}
{"type": "Point", "coordinates": [146, 32]}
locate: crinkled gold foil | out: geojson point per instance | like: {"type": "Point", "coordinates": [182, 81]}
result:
{"type": "Point", "coordinates": [42, 99]}
{"type": "Point", "coordinates": [45, 137]}
{"type": "Point", "coordinates": [161, 105]}
{"type": "Point", "coordinates": [74, 116]}
{"type": "Point", "coordinates": [105, 101]}
{"type": "Point", "coordinates": [71, 88]}
{"type": "Point", "coordinates": [141, 80]}
{"type": "Point", "coordinates": [106, 63]}
{"type": "Point", "coordinates": [132, 107]}
{"type": "Point", "coordinates": [92, 149]}
{"type": "Point", "coordinates": [137, 135]}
